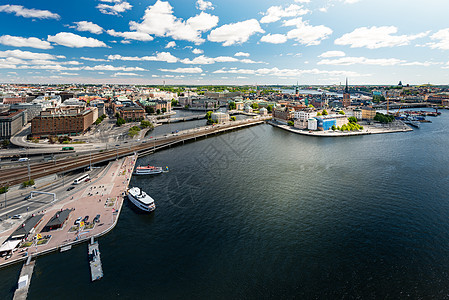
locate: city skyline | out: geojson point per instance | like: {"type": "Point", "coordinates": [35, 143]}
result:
{"type": "Point", "coordinates": [217, 42]}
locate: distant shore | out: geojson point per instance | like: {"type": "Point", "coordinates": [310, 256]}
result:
{"type": "Point", "coordinates": [367, 129]}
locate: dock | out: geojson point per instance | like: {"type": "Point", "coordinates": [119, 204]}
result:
{"type": "Point", "coordinates": [24, 280]}
{"type": "Point", "coordinates": [96, 269]}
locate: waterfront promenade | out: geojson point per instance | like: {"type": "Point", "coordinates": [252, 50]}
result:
{"type": "Point", "coordinates": [367, 129]}
{"type": "Point", "coordinates": [103, 195]}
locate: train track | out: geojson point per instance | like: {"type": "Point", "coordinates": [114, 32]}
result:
{"type": "Point", "coordinates": [13, 176]}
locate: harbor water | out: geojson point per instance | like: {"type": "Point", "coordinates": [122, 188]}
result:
{"type": "Point", "coordinates": [262, 213]}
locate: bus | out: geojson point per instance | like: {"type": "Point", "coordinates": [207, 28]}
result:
{"type": "Point", "coordinates": [83, 178]}
{"type": "Point", "coordinates": [67, 148]}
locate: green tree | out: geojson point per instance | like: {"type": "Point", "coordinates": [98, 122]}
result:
{"type": "Point", "coordinates": [255, 105]}
{"type": "Point", "coordinates": [232, 105]}
{"type": "Point", "coordinates": [186, 106]}
{"type": "Point", "coordinates": [174, 102]}
{"type": "Point", "coordinates": [318, 114]}
{"type": "Point", "coordinates": [145, 124]}
{"type": "Point", "coordinates": [5, 143]}
{"type": "Point", "coordinates": [4, 189]}
{"type": "Point", "coordinates": [149, 109]}
{"type": "Point", "coordinates": [352, 120]}
{"type": "Point", "coordinates": [270, 108]}
{"type": "Point", "coordinates": [120, 121]}
{"type": "Point", "coordinates": [117, 115]}
{"type": "Point", "coordinates": [334, 128]}
{"type": "Point", "coordinates": [325, 112]}
{"type": "Point", "coordinates": [208, 115]}
{"type": "Point", "coordinates": [233, 118]}
{"type": "Point", "coordinates": [158, 111]}
{"type": "Point", "coordinates": [341, 112]}
{"type": "Point", "coordinates": [164, 110]}
{"type": "Point", "coordinates": [291, 123]}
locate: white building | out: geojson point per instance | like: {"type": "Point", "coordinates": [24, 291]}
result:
{"type": "Point", "coordinates": [220, 117]}
{"type": "Point", "coordinates": [304, 115]}
{"type": "Point", "coordinates": [263, 111]}
{"type": "Point", "coordinates": [312, 124]}
{"type": "Point", "coordinates": [358, 114]}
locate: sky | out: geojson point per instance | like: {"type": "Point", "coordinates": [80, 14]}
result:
{"type": "Point", "coordinates": [225, 42]}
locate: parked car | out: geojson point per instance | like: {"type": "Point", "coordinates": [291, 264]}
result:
{"type": "Point", "coordinates": [17, 217]}
{"type": "Point", "coordinates": [70, 188]}
{"type": "Point", "coordinates": [96, 219]}
{"type": "Point", "coordinates": [27, 197]}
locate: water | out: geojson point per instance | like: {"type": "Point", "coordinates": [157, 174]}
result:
{"type": "Point", "coordinates": [264, 213]}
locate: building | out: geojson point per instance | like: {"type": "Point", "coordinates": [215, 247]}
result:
{"type": "Point", "coordinates": [282, 115]}
{"type": "Point", "coordinates": [58, 220]}
{"type": "Point", "coordinates": [26, 227]}
{"type": "Point", "coordinates": [346, 96]}
{"type": "Point", "coordinates": [32, 109]}
{"type": "Point", "coordinates": [239, 105]}
{"type": "Point", "coordinates": [263, 111]}
{"type": "Point", "coordinates": [132, 113]}
{"type": "Point", "coordinates": [71, 121]}
{"type": "Point", "coordinates": [312, 124]}
{"type": "Point", "coordinates": [368, 113]}
{"type": "Point", "coordinates": [99, 104]}
{"type": "Point", "coordinates": [219, 117]}
{"type": "Point", "coordinates": [161, 105]}
{"type": "Point", "coordinates": [325, 124]}
{"type": "Point", "coordinates": [13, 100]}
{"type": "Point", "coordinates": [12, 122]}
{"type": "Point", "coordinates": [358, 114]}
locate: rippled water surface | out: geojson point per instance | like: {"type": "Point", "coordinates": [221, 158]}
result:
{"type": "Point", "coordinates": [263, 213]}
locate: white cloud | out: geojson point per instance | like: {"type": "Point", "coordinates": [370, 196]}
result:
{"type": "Point", "coordinates": [115, 9]}
{"type": "Point", "coordinates": [347, 61]}
{"type": "Point", "coordinates": [306, 34]}
{"type": "Point", "coordinates": [245, 54]}
{"type": "Point", "coordinates": [376, 37]}
{"type": "Point", "coordinates": [160, 21]}
{"type": "Point", "coordinates": [204, 5]}
{"type": "Point", "coordinates": [183, 70]}
{"type": "Point", "coordinates": [21, 11]}
{"type": "Point", "coordinates": [275, 13]}
{"type": "Point", "coordinates": [274, 38]}
{"type": "Point", "coordinates": [285, 72]}
{"type": "Point", "coordinates": [197, 51]}
{"type": "Point", "coordinates": [204, 60]}
{"type": "Point", "coordinates": [92, 59]}
{"type": "Point", "coordinates": [19, 54]}
{"type": "Point", "coordinates": [17, 41]}
{"type": "Point", "coordinates": [112, 68]}
{"type": "Point", "coordinates": [161, 56]}
{"type": "Point", "coordinates": [72, 40]}
{"type": "Point", "coordinates": [131, 35]}
{"type": "Point", "coordinates": [328, 54]}
{"type": "Point", "coordinates": [443, 39]}
{"type": "Point", "coordinates": [125, 74]}
{"type": "Point", "coordinates": [235, 33]}
{"type": "Point", "coordinates": [171, 44]}
{"type": "Point", "coordinates": [302, 1]}
{"type": "Point", "coordinates": [88, 26]}
{"type": "Point", "coordinates": [68, 74]}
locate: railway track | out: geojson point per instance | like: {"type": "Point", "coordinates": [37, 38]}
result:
{"type": "Point", "coordinates": [13, 176]}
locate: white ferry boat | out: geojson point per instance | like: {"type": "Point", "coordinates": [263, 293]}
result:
{"type": "Point", "coordinates": [141, 199]}
{"type": "Point", "coordinates": [149, 170]}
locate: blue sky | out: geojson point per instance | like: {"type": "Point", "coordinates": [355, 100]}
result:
{"type": "Point", "coordinates": [224, 42]}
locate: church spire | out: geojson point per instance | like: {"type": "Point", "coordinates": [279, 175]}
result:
{"type": "Point", "coordinates": [347, 88]}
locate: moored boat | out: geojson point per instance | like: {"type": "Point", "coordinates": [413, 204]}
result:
{"type": "Point", "coordinates": [141, 199]}
{"type": "Point", "coordinates": [150, 170]}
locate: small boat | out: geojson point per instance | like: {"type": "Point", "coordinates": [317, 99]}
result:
{"type": "Point", "coordinates": [141, 199]}
{"type": "Point", "coordinates": [150, 170]}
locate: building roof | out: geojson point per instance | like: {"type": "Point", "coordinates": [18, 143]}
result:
{"type": "Point", "coordinates": [25, 228]}
{"type": "Point", "coordinates": [59, 218]}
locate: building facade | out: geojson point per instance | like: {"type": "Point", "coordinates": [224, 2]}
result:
{"type": "Point", "coordinates": [12, 122]}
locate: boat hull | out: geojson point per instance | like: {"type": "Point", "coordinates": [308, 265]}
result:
{"type": "Point", "coordinates": [140, 205]}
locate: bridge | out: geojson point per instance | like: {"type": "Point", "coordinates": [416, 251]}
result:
{"type": "Point", "coordinates": [404, 105]}
{"type": "Point", "coordinates": [17, 175]}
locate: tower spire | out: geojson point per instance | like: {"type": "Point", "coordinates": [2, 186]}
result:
{"type": "Point", "coordinates": [346, 88]}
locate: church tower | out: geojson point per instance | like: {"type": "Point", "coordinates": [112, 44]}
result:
{"type": "Point", "coordinates": [346, 96]}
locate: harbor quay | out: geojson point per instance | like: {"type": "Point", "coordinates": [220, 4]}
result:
{"type": "Point", "coordinates": [91, 212]}
{"type": "Point", "coordinates": [398, 126]}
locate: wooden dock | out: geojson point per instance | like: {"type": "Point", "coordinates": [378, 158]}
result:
{"type": "Point", "coordinates": [96, 269]}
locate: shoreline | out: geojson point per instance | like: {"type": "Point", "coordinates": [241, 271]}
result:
{"type": "Point", "coordinates": [368, 129]}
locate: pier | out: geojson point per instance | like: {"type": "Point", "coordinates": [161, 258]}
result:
{"type": "Point", "coordinates": [96, 269]}
{"type": "Point", "coordinates": [24, 280]}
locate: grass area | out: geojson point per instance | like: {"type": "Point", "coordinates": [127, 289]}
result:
{"type": "Point", "coordinates": [42, 241]}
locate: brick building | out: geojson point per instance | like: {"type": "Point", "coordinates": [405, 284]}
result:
{"type": "Point", "coordinates": [132, 113]}
{"type": "Point", "coordinates": [72, 121]}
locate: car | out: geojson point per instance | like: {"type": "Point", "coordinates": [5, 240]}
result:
{"type": "Point", "coordinates": [27, 197]}
{"type": "Point", "coordinates": [96, 219]}
{"type": "Point", "coordinates": [17, 217]}
{"type": "Point", "coordinates": [77, 221]}
{"type": "Point", "coordinates": [117, 145]}
{"type": "Point", "coordinates": [70, 188]}
{"type": "Point", "coordinates": [86, 218]}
